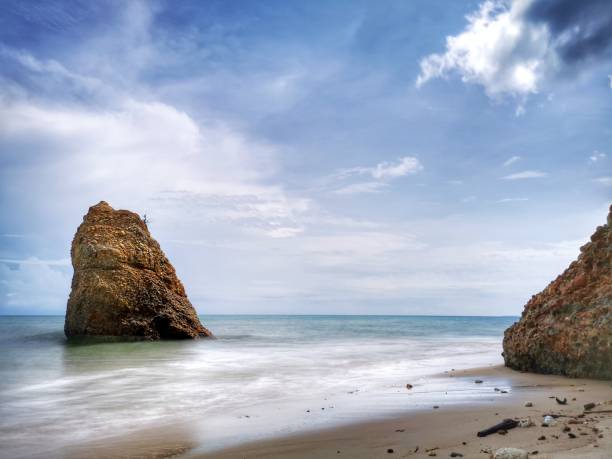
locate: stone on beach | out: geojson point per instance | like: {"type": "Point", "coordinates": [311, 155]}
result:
{"type": "Point", "coordinates": [123, 285]}
{"type": "Point", "coordinates": [567, 328]}
{"type": "Point", "coordinates": [510, 453]}
{"type": "Point", "coordinates": [500, 427]}
{"type": "Point", "coordinates": [527, 422]}
{"type": "Point", "coordinates": [549, 421]}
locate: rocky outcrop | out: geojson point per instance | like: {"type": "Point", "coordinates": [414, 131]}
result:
{"type": "Point", "coordinates": [567, 328]}
{"type": "Point", "coordinates": [123, 285]}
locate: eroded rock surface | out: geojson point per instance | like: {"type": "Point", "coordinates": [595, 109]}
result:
{"type": "Point", "coordinates": [123, 284]}
{"type": "Point", "coordinates": [567, 328]}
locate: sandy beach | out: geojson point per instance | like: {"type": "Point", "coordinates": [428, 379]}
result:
{"type": "Point", "coordinates": [437, 432]}
{"type": "Point", "coordinates": [443, 431]}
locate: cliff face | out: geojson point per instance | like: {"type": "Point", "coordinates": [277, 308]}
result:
{"type": "Point", "coordinates": [123, 285]}
{"type": "Point", "coordinates": [567, 328]}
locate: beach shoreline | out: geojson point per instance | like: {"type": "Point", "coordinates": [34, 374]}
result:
{"type": "Point", "coordinates": [444, 430]}
{"type": "Point", "coordinates": [419, 433]}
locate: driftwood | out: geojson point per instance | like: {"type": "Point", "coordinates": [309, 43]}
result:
{"type": "Point", "coordinates": [506, 424]}
{"type": "Point", "coordinates": [561, 402]}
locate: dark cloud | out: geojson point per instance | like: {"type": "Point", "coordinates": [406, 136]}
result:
{"type": "Point", "coordinates": [580, 28]}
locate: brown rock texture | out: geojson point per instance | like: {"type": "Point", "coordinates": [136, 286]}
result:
{"type": "Point", "coordinates": [123, 284]}
{"type": "Point", "coordinates": [567, 328]}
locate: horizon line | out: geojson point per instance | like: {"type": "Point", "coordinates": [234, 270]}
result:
{"type": "Point", "coordinates": [299, 314]}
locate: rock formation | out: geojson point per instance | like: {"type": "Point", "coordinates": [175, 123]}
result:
{"type": "Point", "coordinates": [123, 285]}
{"type": "Point", "coordinates": [567, 328]}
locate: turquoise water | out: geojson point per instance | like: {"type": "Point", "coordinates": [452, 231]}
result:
{"type": "Point", "coordinates": [271, 368]}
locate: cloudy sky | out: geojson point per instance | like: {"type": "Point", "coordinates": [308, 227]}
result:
{"type": "Point", "coordinates": [396, 157]}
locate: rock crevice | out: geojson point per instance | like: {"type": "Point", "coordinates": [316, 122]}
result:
{"type": "Point", "coordinates": [567, 328]}
{"type": "Point", "coordinates": [123, 284]}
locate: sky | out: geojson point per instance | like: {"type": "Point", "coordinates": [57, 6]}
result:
{"type": "Point", "coordinates": [309, 157]}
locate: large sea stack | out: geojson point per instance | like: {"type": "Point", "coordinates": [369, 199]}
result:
{"type": "Point", "coordinates": [123, 285]}
{"type": "Point", "coordinates": [567, 328]}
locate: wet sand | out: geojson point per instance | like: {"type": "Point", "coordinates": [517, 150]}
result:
{"type": "Point", "coordinates": [451, 428]}
{"type": "Point", "coordinates": [440, 432]}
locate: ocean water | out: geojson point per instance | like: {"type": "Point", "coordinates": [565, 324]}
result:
{"type": "Point", "coordinates": [263, 376]}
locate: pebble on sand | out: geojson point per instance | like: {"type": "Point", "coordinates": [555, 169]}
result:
{"type": "Point", "coordinates": [549, 421]}
{"type": "Point", "coordinates": [510, 453]}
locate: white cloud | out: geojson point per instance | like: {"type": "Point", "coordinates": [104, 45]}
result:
{"type": "Point", "coordinates": [498, 49]}
{"type": "Point", "coordinates": [605, 181]}
{"type": "Point", "coordinates": [142, 150]}
{"type": "Point", "coordinates": [597, 156]}
{"type": "Point", "coordinates": [511, 160]}
{"type": "Point", "coordinates": [386, 170]}
{"type": "Point", "coordinates": [284, 232]}
{"type": "Point", "coordinates": [362, 187]}
{"type": "Point", "coordinates": [382, 173]}
{"type": "Point", "coordinates": [34, 286]}
{"type": "Point", "coordinates": [50, 68]}
{"type": "Point", "coordinates": [406, 165]}
{"type": "Point", "coordinates": [358, 248]}
{"type": "Point", "coordinates": [525, 175]}
{"type": "Point", "coordinates": [512, 200]}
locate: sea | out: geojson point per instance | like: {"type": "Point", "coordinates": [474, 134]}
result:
{"type": "Point", "coordinates": [263, 376]}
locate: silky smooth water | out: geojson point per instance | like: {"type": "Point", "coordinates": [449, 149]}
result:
{"type": "Point", "coordinates": [263, 376]}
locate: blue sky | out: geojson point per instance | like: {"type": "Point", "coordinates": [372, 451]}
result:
{"type": "Point", "coordinates": [408, 157]}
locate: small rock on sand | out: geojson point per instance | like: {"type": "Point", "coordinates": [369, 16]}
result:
{"type": "Point", "coordinates": [390, 450]}
{"type": "Point", "coordinates": [549, 421]}
{"type": "Point", "coordinates": [454, 454]}
{"type": "Point", "coordinates": [526, 422]}
{"type": "Point", "coordinates": [589, 406]}
{"type": "Point", "coordinates": [528, 404]}
{"type": "Point", "coordinates": [409, 386]}
{"type": "Point", "coordinates": [510, 453]}
{"type": "Point", "coordinates": [478, 381]}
